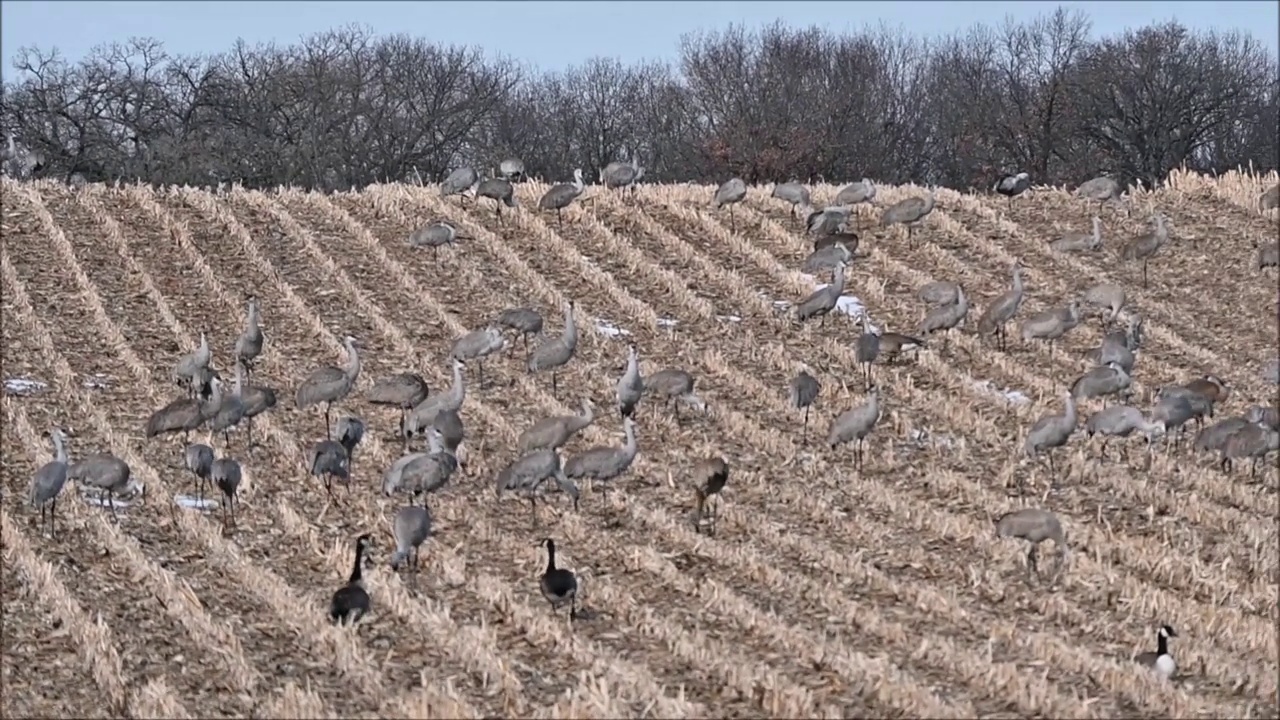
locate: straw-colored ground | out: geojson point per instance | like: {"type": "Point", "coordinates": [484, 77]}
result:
{"type": "Point", "coordinates": [824, 593]}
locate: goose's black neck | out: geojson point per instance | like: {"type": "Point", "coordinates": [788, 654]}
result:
{"type": "Point", "coordinates": [1162, 644]}
{"type": "Point", "coordinates": [355, 570]}
{"type": "Point", "coordinates": [551, 555]}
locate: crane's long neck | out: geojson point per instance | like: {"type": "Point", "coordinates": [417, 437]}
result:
{"type": "Point", "coordinates": [837, 283]}
{"type": "Point", "coordinates": [584, 418]}
{"type": "Point", "coordinates": [353, 361]}
{"type": "Point", "coordinates": [59, 448]}
{"type": "Point", "coordinates": [203, 354]}
{"type": "Point", "coordinates": [355, 567]}
{"type": "Point", "coordinates": [215, 397]}
{"type": "Point", "coordinates": [577, 180]}
{"type": "Point", "coordinates": [570, 334]}
{"type": "Point", "coordinates": [239, 386]}
{"type": "Point", "coordinates": [630, 446]}
{"type": "Point", "coordinates": [1017, 282]}
{"type": "Point", "coordinates": [458, 392]}
{"type": "Point", "coordinates": [1097, 231]}
{"type": "Point", "coordinates": [633, 368]}
{"type": "Point", "coordinates": [1070, 414]}
{"type": "Point", "coordinates": [253, 316]}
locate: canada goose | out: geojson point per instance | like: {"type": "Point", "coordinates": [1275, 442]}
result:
{"type": "Point", "coordinates": [351, 601]}
{"type": "Point", "coordinates": [1160, 660]}
{"type": "Point", "coordinates": [712, 474]}
{"type": "Point", "coordinates": [559, 586]}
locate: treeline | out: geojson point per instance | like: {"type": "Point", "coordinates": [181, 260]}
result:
{"type": "Point", "coordinates": [346, 108]}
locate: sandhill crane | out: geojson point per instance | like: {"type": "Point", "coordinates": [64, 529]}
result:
{"type": "Point", "coordinates": [1051, 431]}
{"type": "Point", "coordinates": [1200, 405]}
{"type": "Point", "coordinates": [827, 221]}
{"type": "Point", "coordinates": [403, 391]}
{"type": "Point", "coordinates": [1035, 526]}
{"type": "Point", "coordinates": [674, 386]}
{"type": "Point", "coordinates": [711, 474]}
{"type": "Point", "coordinates": [1264, 416]}
{"type": "Point", "coordinates": [1102, 381]}
{"type": "Point", "coordinates": [1267, 201]}
{"type": "Point", "coordinates": [558, 586]}
{"type": "Point", "coordinates": [1002, 309]}
{"type": "Point", "coordinates": [49, 479]}
{"type": "Point", "coordinates": [841, 237]}
{"type": "Point", "coordinates": [1268, 255]}
{"type": "Point", "coordinates": [424, 413]}
{"type": "Point", "coordinates": [1076, 241]}
{"type": "Point", "coordinates": [1173, 412]}
{"type": "Point", "coordinates": [620, 175]}
{"type": "Point", "coordinates": [630, 387]}
{"type": "Point", "coordinates": [792, 193]}
{"type": "Point", "coordinates": [525, 321]}
{"type": "Point", "coordinates": [552, 432]}
{"type": "Point", "coordinates": [452, 433]}
{"type": "Point", "coordinates": [823, 300]}
{"type": "Point", "coordinates": [349, 431]}
{"type": "Point", "coordinates": [198, 459]}
{"type": "Point", "coordinates": [1214, 437]}
{"type": "Point", "coordinates": [855, 425]}
{"type": "Point", "coordinates": [1105, 296]}
{"type": "Point", "coordinates": [351, 601]}
{"type": "Point", "coordinates": [226, 475]}
{"type": "Point", "coordinates": [231, 410]}
{"type": "Point", "coordinates": [512, 170]}
{"type": "Point", "coordinates": [939, 292]}
{"type": "Point", "coordinates": [605, 462]}
{"type": "Point", "coordinates": [330, 384]}
{"type": "Point", "coordinates": [411, 527]}
{"type": "Point", "coordinates": [184, 415]}
{"type": "Point", "coordinates": [330, 460]}
{"type": "Point", "coordinates": [249, 344]}
{"type": "Point", "coordinates": [1211, 388]}
{"type": "Point", "coordinates": [1121, 421]}
{"type": "Point", "coordinates": [560, 196]}
{"type": "Point", "coordinates": [18, 160]}
{"type": "Point", "coordinates": [945, 317]}
{"type": "Point", "coordinates": [801, 394]}
{"type": "Point", "coordinates": [867, 348]}
{"type": "Point", "coordinates": [477, 345]}
{"type": "Point", "coordinates": [554, 353]}
{"type": "Point", "coordinates": [1119, 346]}
{"type": "Point", "coordinates": [189, 366]}
{"type": "Point", "coordinates": [910, 212]}
{"type": "Point", "coordinates": [732, 192]}
{"type": "Point", "coordinates": [255, 400]}
{"type": "Point", "coordinates": [500, 191]}
{"type": "Point", "coordinates": [434, 236]}
{"type": "Point", "coordinates": [1145, 246]}
{"type": "Point", "coordinates": [421, 473]}
{"type": "Point", "coordinates": [1103, 189]}
{"type": "Point", "coordinates": [527, 472]}
{"type": "Point", "coordinates": [827, 258]}
{"type": "Point", "coordinates": [1011, 186]}
{"type": "Point", "coordinates": [459, 182]}
{"type": "Point", "coordinates": [856, 193]}
{"type": "Point", "coordinates": [1051, 325]}
{"type": "Point", "coordinates": [103, 471]}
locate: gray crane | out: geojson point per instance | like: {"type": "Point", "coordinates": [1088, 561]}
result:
{"type": "Point", "coordinates": [512, 170]}
{"type": "Point", "coordinates": [350, 431]}
{"type": "Point", "coordinates": [184, 415]}
{"type": "Point", "coordinates": [944, 317]}
{"type": "Point", "coordinates": [500, 191]}
{"type": "Point", "coordinates": [827, 221]}
{"type": "Point", "coordinates": [732, 192]}
{"type": "Point", "coordinates": [675, 386]}
{"type": "Point", "coordinates": [329, 461]}
{"type": "Point", "coordinates": [1119, 346]}
{"type": "Point", "coordinates": [827, 258]}
{"type": "Point", "coordinates": [411, 528]}
{"type": "Point", "coordinates": [226, 474]}
{"type": "Point", "coordinates": [424, 413]}
{"type": "Point", "coordinates": [434, 236]}
{"type": "Point", "coordinates": [554, 353]}
{"type": "Point", "coordinates": [561, 196]}
{"type": "Point", "coordinates": [1265, 416]}
{"type": "Point", "coordinates": [524, 320]}
{"type": "Point", "coordinates": [823, 300]}
{"type": "Point", "coordinates": [630, 387]}
{"type": "Point", "coordinates": [256, 399]}
{"type": "Point", "coordinates": [855, 424]}
{"type": "Point", "coordinates": [198, 459]}
{"type": "Point", "coordinates": [842, 236]}
{"type": "Point", "coordinates": [552, 432]}
{"type": "Point", "coordinates": [1121, 421]}
{"type": "Point", "coordinates": [1173, 412]}
{"type": "Point", "coordinates": [1102, 381]}
{"type": "Point", "coordinates": [802, 393]}
{"type": "Point", "coordinates": [1035, 526]}
{"type": "Point", "coordinates": [230, 410]}
{"type": "Point", "coordinates": [330, 384]}
{"type": "Point", "coordinates": [1050, 325]}
{"type": "Point", "coordinates": [1011, 186]}
{"type": "Point", "coordinates": [939, 292]}
{"type": "Point", "coordinates": [104, 472]}
{"type": "Point", "coordinates": [714, 474]}
{"type": "Point", "coordinates": [20, 161]}
{"type": "Point", "coordinates": [189, 366]}
{"type": "Point", "coordinates": [1268, 200]}
{"type": "Point", "coordinates": [793, 193]}
{"type": "Point", "coordinates": [1268, 255]}
{"type": "Point", "coordinates": [1145, 246]}
{"type": "Point", "coordinates": [604, 462]}
{"type": "Point", "coordinates": [452, 434]}
{"type": "Point", "coordinates": [459, 182]}
{"type": "Point", "coordinates": [1076, 241]}
{"type": "Point", "coordinates": [403, 391]}
{"type": "Point", "coordinates": [477, 345]}
{"type": "Point", "coordinates": [863, 191]}
{"type": "Point", "coordinates": [910, 212]}
{"type": "Point", "coordinates": [867, 348]}
{"type": "Point", "coordinates": [620, 175]}
{"type": "Point", "coordinates": [1254, 441]}
{"type": "Point", "coordinates": [1214, 437]}
{"type": "Point", "coordinates": [1002, 309]}
{"type": "Point", "coordinates": [1104, 297]}
{"type": "Point", "coordinates": [421, 473]}
{"type": "Point", "coordinates": [49, 479]}
{"type": "Point", "coordinates": [249, 345]}
{"type": "Point", "coordinates": [527, 473]}
{"type": "Point", "coordinates": [1051, 431]}
{"type": "Point", "coordinates": [1103, 189]}
{"type": "Point", "coordinates": [1200, 405]}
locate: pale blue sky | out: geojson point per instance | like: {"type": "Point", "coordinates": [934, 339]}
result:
{"type": "Point", "coordinates": [552, 35]}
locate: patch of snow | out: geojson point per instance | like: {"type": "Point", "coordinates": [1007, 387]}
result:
{"type": "Point", "coordinates": [666, 322]}
{"type": "Point", "coordinates": [1013, 397]}
{"type": "Point", "coordinates": [782, 305]}
{"type": "Point", "coordinates": [132, 493]}
{"type": "Point", "coordinates": [97, 381]}
{"type": "Point", "coordinates": [192, 502]}
{"type": "Point", "coordinates": [924, 437]}
{"type": "Point", "coordinates": [604, 327]}
{"type": "Point", "coordinates": [23, 386]}
{"type": "Point", "coordinates": [728, 318]}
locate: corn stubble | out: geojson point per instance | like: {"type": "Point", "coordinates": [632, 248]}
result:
{"type": "Point", "coordinates": [824, 592]}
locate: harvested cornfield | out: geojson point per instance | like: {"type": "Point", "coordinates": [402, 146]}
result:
{"type": "Point", "coordinates": [824, 592]}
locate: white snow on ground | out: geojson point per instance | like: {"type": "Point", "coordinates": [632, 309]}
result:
{"type": "Point", "coordinates": [728, 318]}
{"type": "Point", "coordinates": [97, 382]}
{"type": "Point", "coordinates": [847, 304]}
{"type": "Point", "coordinates": [23, 386]}
{"type": "Point", "coordinates": [666, 322]}
{"type": "Point", "coordinates": [608, 329]}
{"type": "Point", "coordinates": [191, 502]}
{"type": "Point", "coordinates": [1013, 397]}
{"type": "Point", "coordinates": [131, 494]}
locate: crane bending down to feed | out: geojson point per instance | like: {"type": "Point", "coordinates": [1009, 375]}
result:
{"type": "Point", "coordinates": [793, 193]}
{"type": "Point", "coordinates": [524, 320]}
{"type": "Point", "coordinates": [863, 191]}
{"type": "Point", "coordinates": [1035, 526]}
{"type": "Point", "coordinates": [712, 474]}
{"type": "Point", "coordinates": [561, 196]}
{"type": "Point", "coordinates": [554, 353]}
{"type": "Point", "coordinates": [529, 471]}
{"type": "Point", "coordinates": [459, 182]}
{"type": "Point", "coordinates": [1051, 431]}
{"type": "Point", "coordinates": [403, 391]}
{"type": "Point", "coordinates": [500, 191]}
{"type": "Point", "coordinates": [910, 212]}
{"type": "Point", "coordinates": [330, 384]}
{"type": "Point", "coordinates": [675, 386]}
{"type": "Point", "coordinates": [512, 170]}
{"type": "Point", "coordinates": [621, 176]}
{"type": "Point", "coordinates": [102, 471]}
{"type": "Point", "coordinates": [823, 300]}
{"type": "Point", "coordinates": [435, 236]}
{"type": "Point", "coordinates": [1102, 189]}
{"type": "Point", "coordinates": [732, 192]}
{"type": "Point", "coordinates": [477, 345]}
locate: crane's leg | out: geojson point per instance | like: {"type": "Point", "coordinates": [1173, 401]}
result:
{"type": "Point", "coordinates": [327, 423]}
{"type": "Point", "coordinates": [1144, 272]}
{"type": "Point", "coordinates": [555, 390]}
{"type": "Point", "coordinates": [733, 220]}
{"type": "Point", "coordinates": [1226, 464]}
{"type": "Point", "coordinates": [806, 424]}
{"type": "Point", "coordinates": [559, 218]}
{"type": "Point", "coordinates": [1103, 451]}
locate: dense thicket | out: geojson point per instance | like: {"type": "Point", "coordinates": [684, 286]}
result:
{"type": "Point", "coordinates": [347, 107]}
